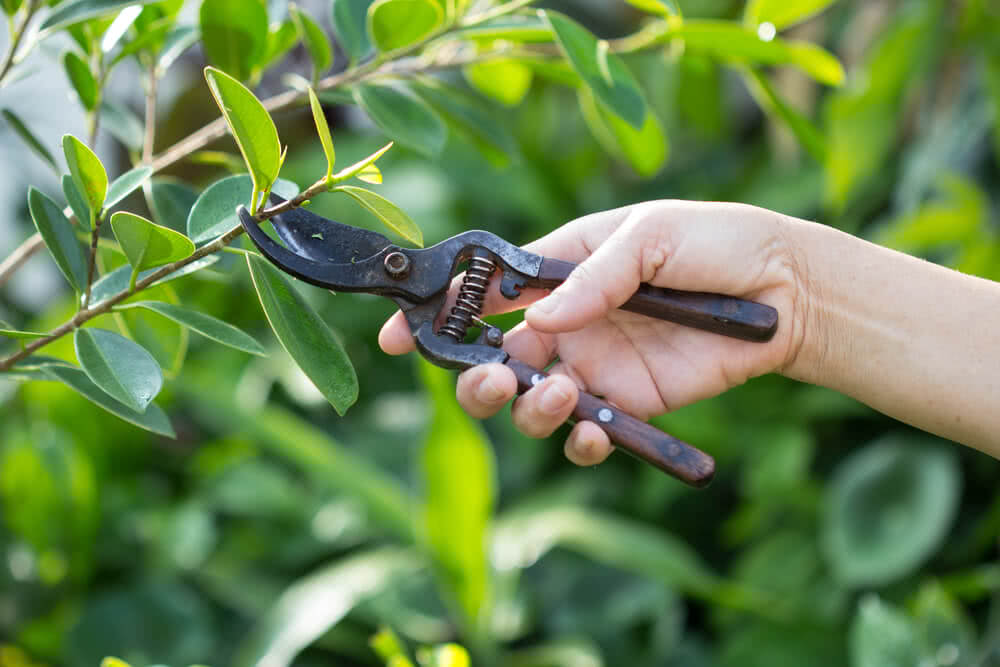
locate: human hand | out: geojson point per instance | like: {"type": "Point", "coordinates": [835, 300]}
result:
{"type": "Point", "coordinates": [643, 365]}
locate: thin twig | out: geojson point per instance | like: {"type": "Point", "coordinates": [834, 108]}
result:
{"type": "Point", "coordinates": [15, 39]}
{"type": "Point", "coordinates": [95, 236]}
{"type": "Point", "coordinates": [150, 136]}
{"type": "Point", "coordinates": [20, 255]}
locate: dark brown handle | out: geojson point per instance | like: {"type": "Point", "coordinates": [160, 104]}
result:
{"type": "Point", "coordinates": [672, 456]}
{"type": "Point", "coordinates": [726, 315]}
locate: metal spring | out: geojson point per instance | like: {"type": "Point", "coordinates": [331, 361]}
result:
{"type": "Point", "coordinates": [471, 295]}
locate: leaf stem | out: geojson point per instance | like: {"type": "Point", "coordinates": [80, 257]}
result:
{"type": "Point", "coordinates": [16, 35]}
{"type": "Point", "coordinates": [95, 236]}
{"type": "Point", "coordinates": [150, 136]}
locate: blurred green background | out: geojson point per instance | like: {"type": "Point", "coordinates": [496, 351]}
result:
{"type": "Point", "coordinates": [273, 531]}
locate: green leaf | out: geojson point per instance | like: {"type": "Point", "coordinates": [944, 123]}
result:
{"type": "Point", "coordinates": [177, 41]}
{"type": "Point", "coordinates": [350, 25]}
{"type": "Point", "coordinates": [124, 370]}
{"type": "Point", "coordinates": [403, 118]}
{"type": "Point", "coordinates": [10, 6]}
{"type": "Point", "coordinates": [87, 171]}
{"type": "Point", "coordinates": [281, 38]}
{"type": "Point", "coordinates": [111, 661]}
{"type": "Point", "coordinates": [313, 604]}
{"type": "Point", "coordinates": [804, 130]}
{"type": "Point", "coordinates": [447, 655]}
{"type": "Point", "coordinates": [208, 326]}
{"type": "Point", "coordinates": [146, 244]}
{"type": "Point", "coordinates": [304, 335]}
{"type": "Point", "coordinates": [126, 184]}
{"type": "Point", "coordinates": [323, 129]}
{"type": "Point", "coordinates": [29, 138]}
{"type": "Point", "coordinates": [214, 213]}
{"type": "Point", "coordinates": [658, 7]}
{"type": "Point", "coordinates": [314, 38]}
{"type": "Point", "coordinates": [123, 125]}
{"type": "Point", "coordinates": [234, 34]}
{"type": "Point", "coordinates": [118, 280]}
{"type": "Point", "coordinates": [72, 12]}
{"type": "Point", "coordinates": [731, 42]}
{"type": "Point", "coordinates": [359, 167]}
{"type": "Point", "coordinates": [505, 80]}
{"type": "Point", "coordinates": [646, 149]}
{"type": "Point", "coordinates": [782, 13]}
{"type": "Point", "coordinates": [76, 202]}
{"type": "Point", "coordinates": [520, 29]}
{"type": "Point", "coordinates": [395, 24]}
{"type": "Point", "coordinates": [459, 476]}
{"type": "Point", "coordinates": [604, 73]}
{"type": "Point", "coordinates": [20, 335]}
{"type": "Point", "coordinates": [57, 232]}
{"type": "Point", "coordinates": [383, 209]}
{"type": "Point", "coordinates": [153, 419]}
{"type": "Point", "coordinates": [370, 174]}
{"type": "Point", "coordinates": [252, 127]}
{"type": "Point", "coordinates": [890, 505]}
{"type": "Point", "coordinates": [83, 81]}
{"type": "Point", "coordinates": [171, 201]}
{"type": "Point", "coordinates": [882, 636]}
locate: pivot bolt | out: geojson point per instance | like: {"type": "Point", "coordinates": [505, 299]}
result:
{"type": "Point", "coordinates": [397, 265]}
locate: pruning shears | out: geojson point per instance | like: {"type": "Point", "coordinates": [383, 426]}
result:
{"type": "Point", "coordinates": [343, 258]}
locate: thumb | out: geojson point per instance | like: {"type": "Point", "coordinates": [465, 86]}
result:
{"type": "Point", "coordinates": [603, 281]}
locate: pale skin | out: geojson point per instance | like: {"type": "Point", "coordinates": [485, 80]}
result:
{"type": "Point", "coordinates": [914, 340]}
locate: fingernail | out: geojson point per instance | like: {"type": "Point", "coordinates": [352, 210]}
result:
{"type": "Point", "coordinates": [553, 399]}
{"type": "Point", "coordinates": [548, 305]}
{"type": "Point", "coordinates": [488, 392]}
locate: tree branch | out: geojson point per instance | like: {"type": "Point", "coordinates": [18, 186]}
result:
{"type": "Point", "coordinates": [15, 39]}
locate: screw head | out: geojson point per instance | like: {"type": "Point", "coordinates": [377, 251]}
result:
{"type": "Point", "coordinates": [397, 265]}
{"type": "Point", "coordinates": [494, 337]}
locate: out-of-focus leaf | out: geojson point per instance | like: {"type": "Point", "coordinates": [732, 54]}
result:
{"type": "Point", "coordinates": [323, 129]}
{"type": "Point", "coordinates": [19, 335]}
{"type": "Point", "coordinates": [87, 171]}
{"type": "Point", "coordinates": [76, 202]}
{"type": "Point", "coordinates": [281, 38]}
{"type": "Point", "coordinates": [403, 118]}
{"type": "Point", "coordinates": [446, 655]}
{"type": "Point", "coordinates": [565, 653]}
{"type": "Point", "coordinates": [229, 161]}
{"type": "Point", "coordinates": [119, 26]}
{"type": "Point", "coordinates": [10, 6]}
{"type": "Point", "coordinates": [304, 335]}
{"type": "Point", "coordinates": [123, 124]}
{"type": "Point", "coordinates": [388, 646]}
{"type": "Point", "coordinates": [458, 469]}
{"type": "Point", "coordinates": [645, 149]}
{"type": "Point", "coordinates": [57, 232]}
{"type": "Point", "coordinates": [208, 326]}
{"type": "Point", "coordinates": [118, 280]}
{"type": "Point", "coordinates": [165, 340]}
{"type": "Point", "coordinates": [76, 11]}
{"type": "Point", "coordinates": [310, 606]}
{"type": "Point", "coordinates": [111, 661]}
{"type": "Point", "coordinates": [171, 202]}
{"type": "Point", "coordinates": [782, 13]}
{"type": "Point", "coordinates": [252, 127]}
{"type": "Point", "coordinates": [944, 630]}
{"type": "Point", "coordinates": [146, 244]}
{"type": "Point", "coordinates": [805, 131]}
{"type": "Point", "coordinates": [124, 370]}
{"type": "Point", "coordinates": [505, 80]}
{"type": "Point", "coordinates": [153, 419]}
{"type": "Point", "coordinates": [603, 72]}
{"type": "Point", "coordinates": [882, 636]}
{"type": "Point", "coordinates": [659, 7]}
{"type": "Point", "coordinates": [314, 38]}
{"type": "Point", "coordinates": [394, 24]}
{"type": "Point", "coordinates": [234, 35]}
{"type": "Point", "coordinates": [214, 213]}
{"type": "Point", "coordinates": [383, 209]}
{"type": "Point", "coordinates": [28, 138]}
{"type": "Point", "coordinates": [350, 25]}
{"type": "Point", "coordinates": [889, 507]}
{"type": "Point", "coordinates": [524, 29]}
{"type": "Point", "coordinates": [177, 41]}
{"type": "Point", "coordinates": [126, 184]}
{"type": "Point", "coordinates": [956, 218]}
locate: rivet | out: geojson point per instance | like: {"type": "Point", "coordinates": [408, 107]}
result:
{"type": "Point", "coordinates": [604, 415]}
{"type": "Point", "coordinates": [397, 265]}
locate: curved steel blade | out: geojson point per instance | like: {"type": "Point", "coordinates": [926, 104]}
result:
{"type": "Point", "coordinates": [319, 239]}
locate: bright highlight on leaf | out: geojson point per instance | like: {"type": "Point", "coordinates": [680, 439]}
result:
{"type": "Point", "coordinates": [394, 24]}
{"type": "Point", "coordinates": [208, 326]}
{"type": "Point", "coordinates": [782, 13]}
{"type": "Point", "coordinates": [126, 184]}
{"type": "Point", "coordinates": [88, 173]}
{"type": "Point", "coordinates": [71, 12]}
{"type": "Point", "coordinates": [146, 244]}
{"type": "Point", "coordinates": [123, 369]}
{"type": "Point", "coordinates": [391, 215]}
{"type": "Point", "coordinates": [57, 232]}
{"type": "Point", "coordinates": [659, 7]}
{"type": "Point", "coordinates": [251, 126]}
{"type": "Point", "coordinates": [323, 129]}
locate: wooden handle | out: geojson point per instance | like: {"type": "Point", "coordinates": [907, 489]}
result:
{"type": "Point", "coordinates": [726, 315]}
{"type": "Point", "coordinates": [672, 456]}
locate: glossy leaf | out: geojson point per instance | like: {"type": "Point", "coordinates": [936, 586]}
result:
{"type": "Point", "coordinates": [153, 419]}
{"type": "Point", "coordinates": [124, 370]}
{"type": "Point", "coordinates": [208, 326]}
{"type": "Point", "coordinates": [29, 138]}
{"type": "Point", "coordinates": [603, 72]}
{"type": "Point", "coordinates": [506, 80]}
{"type": "Point", "coordinates": [251, 126]}
{"type": "Point", "coordinates": [314, 38]}
{"type": "Point", "coordinates": [177, 41]}
{"type": "Point", "coordinates": [57, 232]}
{"type": "Point", "coordinates": [76, 202]}
{"type": "Point", "coordinates": [214, 213]}
{"type": "Point", "coordinates": [890, 505]}
{"type": "Point", "coordinates": [304, 335]}
{"type": "Point", "coordinates": [323, 129]}
{"type": "Point", "coordinates": [122, 124]}
{"type": "Point", "coordinates": [146, 244]}
{"type": "Point", "coordinates": [646, 149]}
{"type": "Point", "coordinates": [459, 474]}
{"type": "Point", "coordinates": [350, 25]}
{"type": "Point", "coordinates": [403, 118]}
{"type": "Point", "coordinates": [117, 281]}
{"type": "Point", "coordinates": [782, 13]}
{"type": "Point", "coordinates": [87, 171]}
{"type": "Point", "coordinates": [882, 636]}
{"type": "Point", "coordinates": [234, 35]}
{"type": "Point", "coordinates": [395, 24]}
{"type": "Point", "coordinates": [312, 605]}
{"type": "Point", "coordinates": [72, 12]}
{"type": "Point", "coordinates": [126, 184]}
{"type": "Point", "coordinates": [383, 209]}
